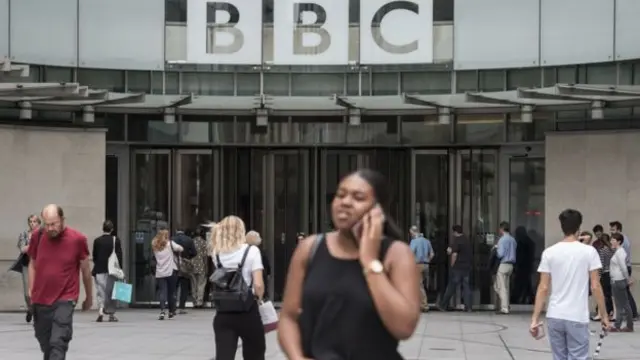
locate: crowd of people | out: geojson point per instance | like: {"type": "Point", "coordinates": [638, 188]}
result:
{"type": "Point", "coordinates": [353, 292]}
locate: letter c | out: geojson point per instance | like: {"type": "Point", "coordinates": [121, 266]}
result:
{"type": "Point", "coordinates": [376, 31]}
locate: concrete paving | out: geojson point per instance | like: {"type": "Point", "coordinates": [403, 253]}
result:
{"type": "Point", "coordinates": [139, 336]}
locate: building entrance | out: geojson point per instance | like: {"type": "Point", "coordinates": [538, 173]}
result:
{"type": "Point", "coordinates": [456, 187]}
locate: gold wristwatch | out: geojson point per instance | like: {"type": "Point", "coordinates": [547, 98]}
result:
{"type": "Point", "coordinates": [374, 267]}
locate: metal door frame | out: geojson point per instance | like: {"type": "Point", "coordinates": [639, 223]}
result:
{"type": "Point", "coordinates": [133, 215]}
{"type": "Point", "coordinates": [121, 152]}
{"type": "Point", "coordinates": [177, 183]}
{"type": "Point", "coordinates": [268, 194]}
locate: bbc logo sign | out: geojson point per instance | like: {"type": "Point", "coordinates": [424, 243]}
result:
{"type": "Point", "coordinates": [310, 32]}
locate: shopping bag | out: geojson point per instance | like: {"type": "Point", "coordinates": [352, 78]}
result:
{"type": "Point", "coordinates": [269, 316]}
{"type": "Point", "coordinates": [121, 291]}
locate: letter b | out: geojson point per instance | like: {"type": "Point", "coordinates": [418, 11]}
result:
{"type": "Point", "coordinates": [228, 27]}
{"type": "Point", "coordinates": [314, 28]}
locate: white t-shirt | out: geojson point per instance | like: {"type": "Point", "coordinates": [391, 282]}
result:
{"type": "Point", "coordinates": [569, 264]}
{"type": "Point", "coordinates": [232, 259]}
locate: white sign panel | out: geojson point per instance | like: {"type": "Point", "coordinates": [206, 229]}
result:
{"type": "Point", "coordinates": [396, 32]}
{"type": "Point", "coordinates": [232, 36]}
{"type": "Point", "coordinates": [311, 32]}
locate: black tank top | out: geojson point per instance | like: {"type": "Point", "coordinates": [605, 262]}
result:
{"type": "Point", "coordinates": [339, 320]}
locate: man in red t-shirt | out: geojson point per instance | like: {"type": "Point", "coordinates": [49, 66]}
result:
{"type": "Point", "coordinates": [54, 285]}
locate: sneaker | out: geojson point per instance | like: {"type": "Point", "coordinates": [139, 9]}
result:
{"type": "Point", "coordinates": [28, 317]}
{"type": "Point", "coordinates": [161, 317]}
{"type": "Point", "coordinates": [172, 315]}
{"type": "Point", "coordinates": [113, 318]}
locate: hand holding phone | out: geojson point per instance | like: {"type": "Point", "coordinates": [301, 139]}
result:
{"type": "Point", "coordinates": [370, 233]}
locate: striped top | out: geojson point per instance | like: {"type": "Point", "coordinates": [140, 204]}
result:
{"type": "Point", "coordinates": [605, 253]}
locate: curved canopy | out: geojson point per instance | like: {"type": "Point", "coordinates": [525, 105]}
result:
{"type": "Point", "coordinates": [75, 97]}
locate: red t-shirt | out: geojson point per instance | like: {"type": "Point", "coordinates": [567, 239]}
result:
{"type": "Point", "coordinates": [57, 264]}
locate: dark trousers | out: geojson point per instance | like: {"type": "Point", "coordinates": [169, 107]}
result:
{"type": "Point", "coordinates": [184, 284]}
{"type": "Point", "coordinates": [623, 307]}
{"type": "Point", "coordinates": [167, 292]}
{"type": "Point", "coordinates": [457, 278]}
{"type": "Point", "coordinates": [605, 283]}
{"type": "Point", "coordinates": [53, 327]}
{"type": "Point", "coordinates": [632, 301]}
{"type": "Point", "coordinates": [228, 327]}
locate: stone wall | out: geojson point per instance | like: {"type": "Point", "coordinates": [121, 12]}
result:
{"type": "Point", "coordinates": [65, 166]}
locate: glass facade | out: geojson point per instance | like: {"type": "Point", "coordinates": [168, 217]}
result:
{"type": "Point", "coordinates": [281, 178]}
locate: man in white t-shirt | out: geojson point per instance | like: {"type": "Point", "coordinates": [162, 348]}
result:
{"type": "Point", "coordinates": [568, 268]}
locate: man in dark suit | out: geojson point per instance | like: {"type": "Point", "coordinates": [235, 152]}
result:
{"type": "Point", "coordinates": [185, 267]}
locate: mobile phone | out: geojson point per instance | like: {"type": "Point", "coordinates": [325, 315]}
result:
{"type": "Point", "coordinates": [356, 230]}
{"type": "Point", "coordinates": [538, 333]}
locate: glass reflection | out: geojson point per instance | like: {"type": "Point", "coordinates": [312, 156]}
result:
{"type": "Point", "coordinates": [150, 129]}
{"type": "Point", "coordinates": [480, 128]}
{"type": "Point", "coordinates": [195, 131]}
{"type": "Point", "coordinates": [424, 130]}
{"type": "Point", "coordinates": [195, 197]}
{"type": "Point", "coordinates": [374, 130]}
{"type": "Point", "coordinates": [526, 208]}
{"type": "Point", "coordinates": [319, 130]}
{"type": "Point", "coordinates": [151, 213]}
{"type": "Point", "coordinates": [479, 211]}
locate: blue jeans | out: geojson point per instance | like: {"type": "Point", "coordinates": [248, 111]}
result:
{"type": "Point", "coordinates": [569, 339]}
{"type": "Point", "coordinates": [167, 292]}
{"type": "Point", "coordinates": [456, 278]}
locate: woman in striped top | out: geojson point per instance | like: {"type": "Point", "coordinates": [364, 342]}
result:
{"type": "Point", "coordinates": [603, 246]}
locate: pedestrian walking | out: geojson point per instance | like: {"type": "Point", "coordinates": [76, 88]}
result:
{"type": "Point", "coordinates": [57, 259]}
{"type": "Point", "coordinates": [33, 223]}
{"type": "Point", "coordinates": [166, 272]}
{"type": "Point", "coordinates": [352, 293]}
{"type": "Point", "coordinates": [567, 270]}
{"type": "Point", "coordinates": [103, 247]}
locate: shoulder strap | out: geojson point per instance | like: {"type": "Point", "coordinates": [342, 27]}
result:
{"type": "Point", "coordinates": [244, 257]}
{"type": "Point", "coordinates": [218, 262]}
{"type": "Point", "coordinates": [114, 245]}
{"type": "Point", "coordinates": [314, 248]}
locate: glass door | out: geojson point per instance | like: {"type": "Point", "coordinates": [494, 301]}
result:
{"type": "Point", "coordinates": [430, 209]}
{"type": "Point", "coordinates": [151, 206]}
{"type": "Point", "coordinates": [477, 211]}
{"type": "Point", "coordinates": [194, 188]}
{"type": "Point", "coordinates": [526, 215]}
{"type": "Point", "coordinates": [286, 196]}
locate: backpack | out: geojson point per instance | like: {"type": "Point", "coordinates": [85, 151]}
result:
{"type": "Point", "coordinates": [230, 292]}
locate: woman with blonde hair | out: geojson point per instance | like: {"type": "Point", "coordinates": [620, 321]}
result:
{"type": "Point", "coordinates": [231, 253]}
{"type": "Point", "coordinates": [166, 271]}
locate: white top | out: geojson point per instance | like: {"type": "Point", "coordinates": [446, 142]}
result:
{"type": "Point", "coordinates": [231, 260]}
{"type": "Point", "coordinates": [618, 267]}
{"type": "Point", "coordinates": [569, 265]}
{"type": "Point", "coordinates": [165, 263]}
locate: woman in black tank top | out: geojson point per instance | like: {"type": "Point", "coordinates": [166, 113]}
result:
{"type": "Point", "coordinates": [351, 294]}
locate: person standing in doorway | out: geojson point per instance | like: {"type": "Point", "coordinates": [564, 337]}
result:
{"type": "Point", "coordinates": [166, 271]}
{"type": "Point", "coordinates": [616, 228]}
{"type": "Point", "coordinates": [423, 252]}
{"type": "Point", "coordinates": [506, 253]}
{"type": "Point", "coordinates": [460, 270]}
{"type": "Point", "coordinates": [199, 278]}
{"type": "Point", "coordinates": [185, 267]}
{"type": "Point", "coordinates": [34, 223]}
{"type": "Point", "coordinates": [566, 270]}
{"type": "Point", "coordinates": [57, 259]}
{"type": "Point", "coordinates": [103, 247]}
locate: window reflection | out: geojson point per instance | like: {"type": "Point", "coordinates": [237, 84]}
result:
{"type": "Point", "coordinates": [480, 128]}
{"type": "Point", "coordinates": [277, 131]}
{"type": "Point", "coordinates": [526, 208]}
{"type": "Point", "coordinates": [319, 130]}
{"type": "Point", "coordinates": [424, 130]}
{"type": "Point", "coordinates": [151, 129]}
{"type": "Point", "coordinates": [385, 84]}
{"type": "Point", "coordinates": [195, 131]}
{"type": "Point", "coordinates": [438, 82]}
{"type": "Point", "coordinates": [112, 80]}
{"type": "Point", "coordinates": [196, 189]}
{"type": "Point", "coordinates": [114, 124]}
{"type": "Point", "coordinates": [175, 10]}
{"type": "Point", "coordinates": [533, 131]}
{"type": "Point", "coordinates": [317, 84]}
{"type": "Point", "coordinates": [374, 130]}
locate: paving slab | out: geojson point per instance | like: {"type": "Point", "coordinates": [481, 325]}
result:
{"type": "Point", "coordinates": [140, 336]}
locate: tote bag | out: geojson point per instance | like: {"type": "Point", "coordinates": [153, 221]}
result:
{"type": "Point", "coordinates": [113, 265]}
{"type": "Point", "coordinates": [269, 316]}
{"type": "Point", "coordinates": [122, 292]}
